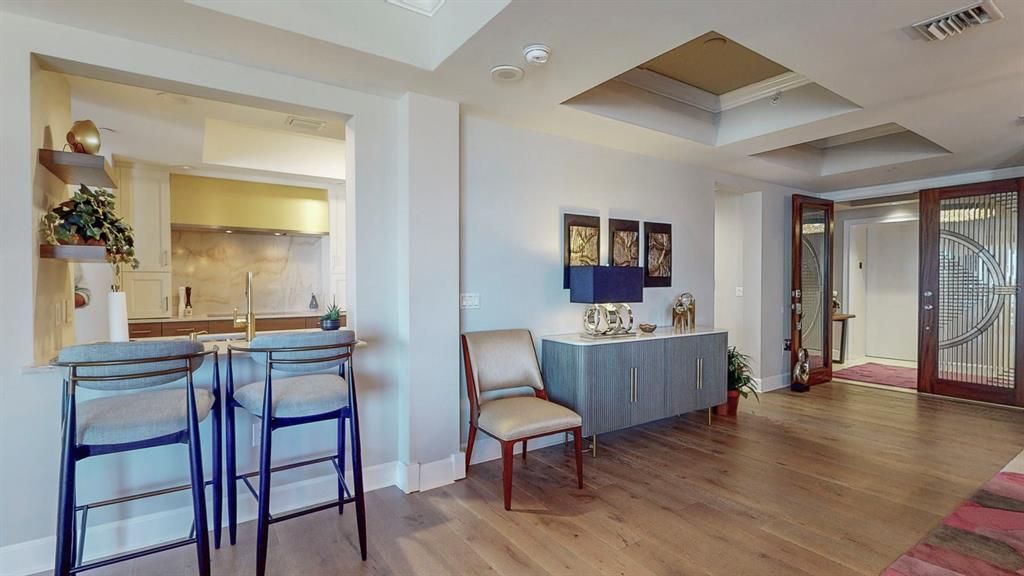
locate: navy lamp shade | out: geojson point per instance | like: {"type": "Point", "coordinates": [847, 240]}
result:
{"type": "Point", "coordinates": [606, 284]}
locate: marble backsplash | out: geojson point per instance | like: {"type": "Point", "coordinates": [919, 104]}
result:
{"type": "Point", "coordinates": [288, 269]}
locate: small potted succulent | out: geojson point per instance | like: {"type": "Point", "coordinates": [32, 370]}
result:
{"type": "Point", "coordinates": [331, 320]}
{"type": "Point", "coordinates": [740, 383]}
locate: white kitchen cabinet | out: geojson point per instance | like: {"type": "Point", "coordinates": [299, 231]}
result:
{"type": "Point", "coordinates": [145, 199]}
{"type": "Point", "coordinates": [337, 291]}
{"type": "Point", "coordinates": [148, 294]}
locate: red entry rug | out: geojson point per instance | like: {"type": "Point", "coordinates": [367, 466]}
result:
{"type": "Point", "coordinates": [873, 373]}
{"type": "Point", "coordinates": [983, 537]}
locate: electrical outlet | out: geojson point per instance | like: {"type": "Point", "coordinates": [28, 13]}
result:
{"type": "Point", "coordinates": [469, 301]}
{"type": "Point", "coordinates": [739, 291]}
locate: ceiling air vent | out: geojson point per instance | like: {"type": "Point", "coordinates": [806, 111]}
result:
{"type": "Point", "coordinates": [307, 124]}
{"type": "Point", "coordinates": [957, 21]}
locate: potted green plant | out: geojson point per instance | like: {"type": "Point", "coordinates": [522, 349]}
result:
{"type": "Point", "coordinates": [331, 320]}
{"type": "Point", "coordinates": [740, 382]}
{"type": "Point", "coordinates": [89, 217]}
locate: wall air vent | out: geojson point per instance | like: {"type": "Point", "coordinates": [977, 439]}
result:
{"type": "Point", "coordinates": [307, 124]}
{"type": "Point", "coordinates": [957, 21]}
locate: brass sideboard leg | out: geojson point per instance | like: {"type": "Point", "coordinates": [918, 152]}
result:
{"type": "Point", "coordinates": [593, 446]}
{"type": "Point", "coordinates": [709, 415]}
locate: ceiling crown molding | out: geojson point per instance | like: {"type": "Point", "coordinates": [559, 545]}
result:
{"type": "Point", "coordinates": [693, 96]}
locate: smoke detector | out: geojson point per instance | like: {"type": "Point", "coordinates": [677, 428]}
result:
{"type": "Point", "coordinates": [506, 73]}
{"type": "Point", "coordinates": [957, 21]}
{"type": "Point", "coordinates": [537, 54]}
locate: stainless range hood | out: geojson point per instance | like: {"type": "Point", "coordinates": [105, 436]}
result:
{"type": "Point", "coordinates": [217, 204]}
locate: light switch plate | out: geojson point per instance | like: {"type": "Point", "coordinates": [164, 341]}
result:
{"type": "Point", "coordinates": [739, 291]}
{"type": "Point", "coordinates": [469, 301]}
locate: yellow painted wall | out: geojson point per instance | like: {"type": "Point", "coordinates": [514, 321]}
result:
{"type": "Point", "coordinates": [201, 201]}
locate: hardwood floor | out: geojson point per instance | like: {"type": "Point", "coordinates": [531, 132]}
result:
{"type": "Point", "coordinates": [838, 481]}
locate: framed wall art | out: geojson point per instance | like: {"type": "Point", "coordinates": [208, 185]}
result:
{"type": "Point", "coordinates": [657, 255]}
{"type": "Point", "coordinates": [623, 242]}
{"type": "Point", "coordinates": [582, 241]}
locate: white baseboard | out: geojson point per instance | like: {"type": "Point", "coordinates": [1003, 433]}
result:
{"type": "Point", "coordinates": [416, 477]}
{"type": "Point", "coordinates": [147, 530]}
{"type": "Point", "coordinates": [777, 382]}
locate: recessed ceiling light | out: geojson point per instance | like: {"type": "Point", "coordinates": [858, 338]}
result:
{"type": "Point", "coordinates": [278, 233]}
{"type": "Point", "coordinates": [185, 167]}
{"type": "Point", "coordinates": [715, 42]}
{"type": "Point", "coordinates": [506, 73]}
{"type": "Point", "coordinates": [229, 231]}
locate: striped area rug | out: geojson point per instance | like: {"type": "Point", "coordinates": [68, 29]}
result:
{"type": "Point", "coordinates": [983, 537]}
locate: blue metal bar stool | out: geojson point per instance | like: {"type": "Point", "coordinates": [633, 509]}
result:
{"type": "Point", "coordinates": [312, 395]}
{"type": "Point", "coordinates": [133, 420]}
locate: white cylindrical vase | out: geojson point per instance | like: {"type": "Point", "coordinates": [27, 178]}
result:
{"type": "Point", "coordinates": [117, 316]}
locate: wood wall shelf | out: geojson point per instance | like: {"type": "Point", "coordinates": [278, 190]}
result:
{"type": "Point", "coordinates": [73, 252]}
{"type": "Point", "coordinates": [77, 168]}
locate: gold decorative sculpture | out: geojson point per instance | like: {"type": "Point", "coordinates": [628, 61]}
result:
{"type": "Point", "coordinates": [684, 312]}
{"type": "Point", "coordinates": [84, 137]}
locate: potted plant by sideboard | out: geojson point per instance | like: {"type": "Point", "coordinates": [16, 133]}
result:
{"type": "Point", "coordinates": [89, 218]}
{"type": "Point", "coordinates": [740, 382]}
{"type": "Point", "coordinates": [331, 320]}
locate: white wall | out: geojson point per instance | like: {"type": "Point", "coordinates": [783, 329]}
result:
{"type": "Point", "coordinates": [517, 184]}
{"type": "Point", "coordinates": [890, 314]}
{"type": "Point", "coordinates": [729, 267]}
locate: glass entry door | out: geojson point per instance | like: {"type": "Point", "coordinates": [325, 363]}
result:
{"type": "Point", "coordinates": [972, 344]}
{"type": "Point", "coordinates": [811, 295]}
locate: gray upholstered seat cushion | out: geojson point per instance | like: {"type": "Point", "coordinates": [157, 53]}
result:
{"type": "Point", "coordinates": [136, 416]}
{"type": "Point", "coordinates": [297, 396]}
{"type": "Point", "coordinates": [525, 416]}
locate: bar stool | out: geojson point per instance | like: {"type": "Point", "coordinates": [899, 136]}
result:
{"type": "Point", "coordinates": [311, 395]}
{"type": "Point", "coordinates": [132, 420]}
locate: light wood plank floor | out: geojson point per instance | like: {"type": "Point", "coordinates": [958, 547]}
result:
{"type": "Point", "coordinates": [835, 482]}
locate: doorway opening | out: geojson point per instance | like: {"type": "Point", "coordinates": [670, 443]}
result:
{"type": "Point", "coordinates": [875, 319]}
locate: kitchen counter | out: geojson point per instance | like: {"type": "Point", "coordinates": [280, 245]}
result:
{"type": "Point", "coordinates": [215, 317]}
{"type": "Point", "coordinates": [209, 341]}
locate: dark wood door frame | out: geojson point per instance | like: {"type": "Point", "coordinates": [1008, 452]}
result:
{"type": "Point", "coordinates": [928, 377]}
{"type": "Point", "coordinates": [824, 373]}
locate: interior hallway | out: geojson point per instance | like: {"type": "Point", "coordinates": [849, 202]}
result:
{"type": "Point", "coordinates": [838, 481]}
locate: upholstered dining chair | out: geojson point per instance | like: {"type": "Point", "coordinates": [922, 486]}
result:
{"type": "Point", "coordinates": [141, 410]}
{"type": "Point", "coordinates": [499, 363]}
{"type": "Point", "coordinates": [321, 387]}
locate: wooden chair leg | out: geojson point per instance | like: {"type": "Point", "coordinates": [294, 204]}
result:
{"type": "Point", "coordinates": [577, 439]}
{"type": "Point", "coordinates": [506, 473]}
{"type": "Point", "coordinates": [524, 449]}
{"type": "Point", "coordinates": [469, 446]}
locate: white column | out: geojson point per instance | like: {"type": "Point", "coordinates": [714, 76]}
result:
{"type": "Point", "coordinates": [427, 225]}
